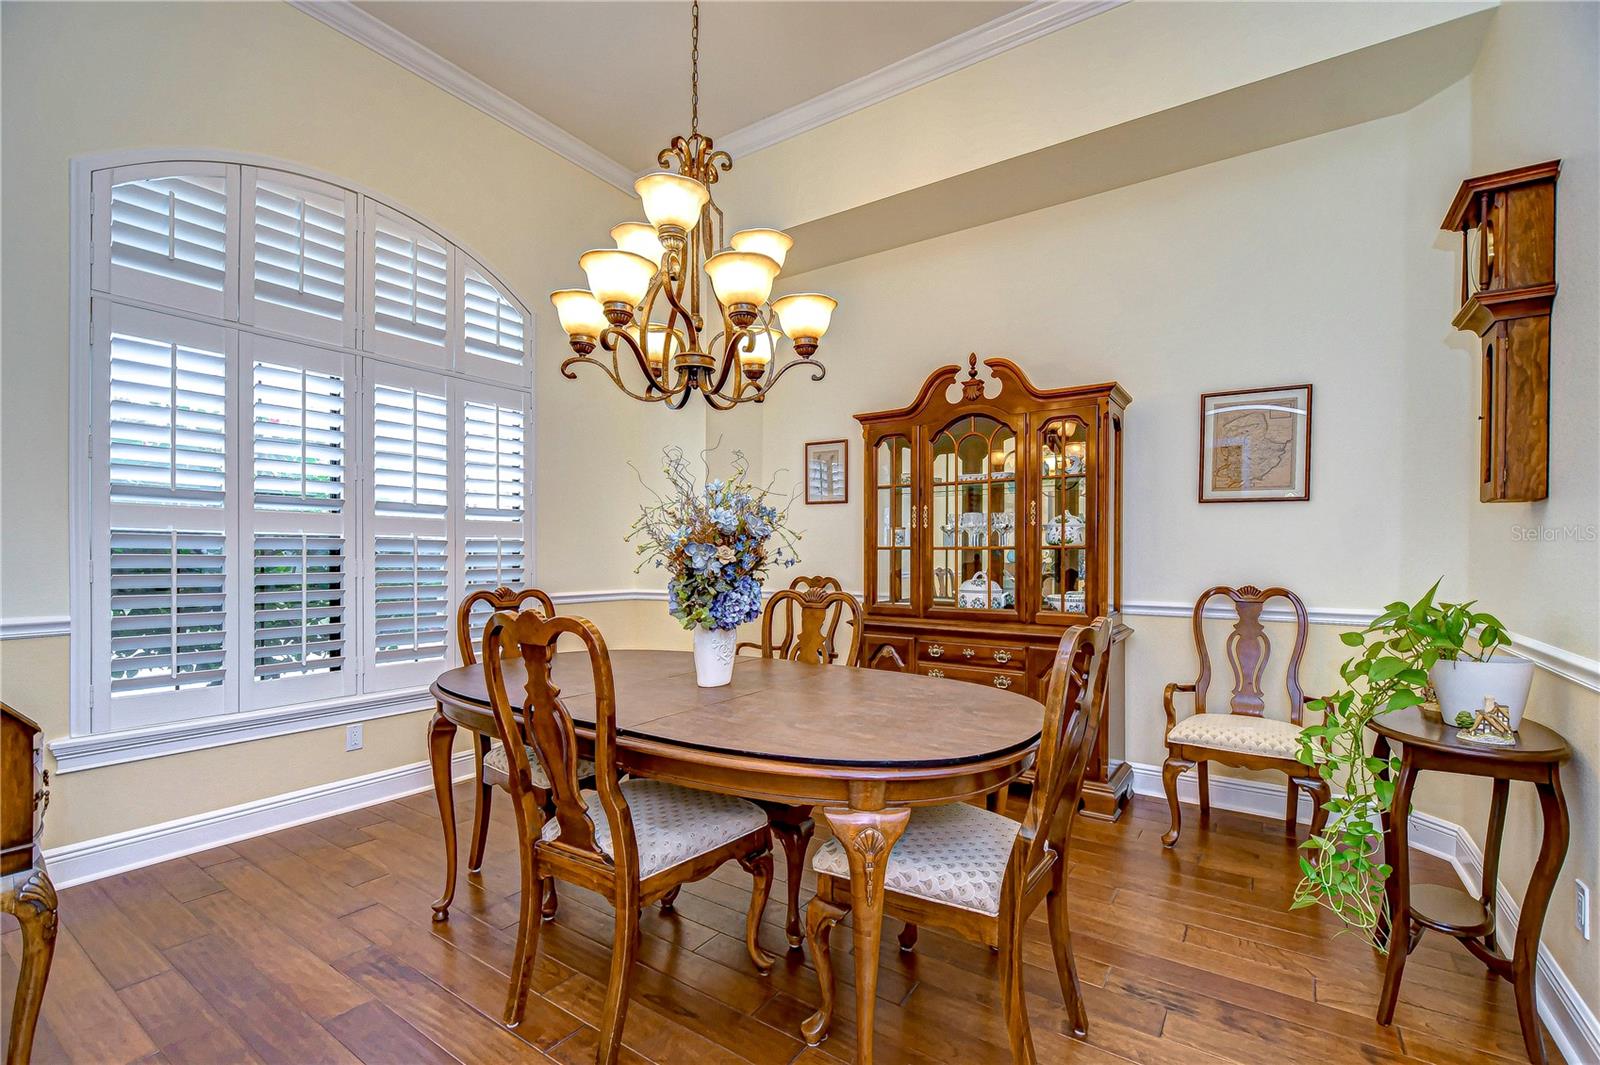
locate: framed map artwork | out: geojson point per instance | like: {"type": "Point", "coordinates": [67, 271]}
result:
{"type": "Point", "coordinates": [1255, 445]}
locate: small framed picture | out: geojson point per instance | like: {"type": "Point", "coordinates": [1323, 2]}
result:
{"type": "Point", "coordinates": [828, 471]}
{"type": "Point", "coordinates": [1255, 445]}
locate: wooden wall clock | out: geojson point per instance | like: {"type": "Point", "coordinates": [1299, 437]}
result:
{"type": "Point", "coordinates": [1507, 223]}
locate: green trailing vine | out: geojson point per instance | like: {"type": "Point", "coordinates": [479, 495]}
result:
{"type": "Point", "coordinates": [1343, 867]}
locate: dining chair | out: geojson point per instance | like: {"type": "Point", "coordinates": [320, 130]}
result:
{"type": "Point", "coordinates": [1243, 735]}
{"type": "Point", "coordinates": [813, 608]}
{"type": "Point", "coordinates": [631, 841]}
{"type": "Point", "coordinates": [489, 757]}
{"type": "Point", "coordinates": [810, 587]}
{"type": "Point", "coordinates": [980, 874]}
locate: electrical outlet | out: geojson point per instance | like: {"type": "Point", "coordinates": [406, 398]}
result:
{"type": "Point", "coordinates": [1581, 892]}
{"type": "Point", "coordinates": [352, 737]}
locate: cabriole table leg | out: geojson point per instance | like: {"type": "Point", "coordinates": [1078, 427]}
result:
{"type": "Point", "coordinates": [441, 738]}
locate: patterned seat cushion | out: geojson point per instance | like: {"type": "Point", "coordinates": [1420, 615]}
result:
{"type": "Point", "coordinates": [496, 759]}
{"type": "Point", "coordinates": [1238, 732]}
{"type": "Point", "coordinates": [671, 824]}
{"type": "Point", "coordinates": [952, 854]}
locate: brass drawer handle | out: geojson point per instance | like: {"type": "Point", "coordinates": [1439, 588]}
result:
{"type": "Point", "coordinates": [967, 652]}
{"type": "Point", "coordinates": [935, 672]}
{"type": "Point", "coordinates": [936, 650]}
{"type": "Point", "coordinates": [1002, 656]}
{"type": "Point", "coordinates": [1002, 682]}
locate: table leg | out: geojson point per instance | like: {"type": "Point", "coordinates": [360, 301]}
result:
{"type": "Point", "coordinates": [793, 827]}
{"type": "Point", "coordinates": [35, 910]}
{"type": "Point", "coordinates": [1380, 749]}
{"type": "Point", "coordinates": [1491, 859]}
{"type": "Point", "coordinates": [868, 835]}
{"type": "Point", "coordinates": [1552, 851]}
{"type": "Point", "coordinates": [441, 738]}
{"type": "Point", "coordinates": [1397, 854]}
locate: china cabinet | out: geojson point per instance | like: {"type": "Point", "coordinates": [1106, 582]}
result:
{"type": "Point", "coordinates": [992, 523]}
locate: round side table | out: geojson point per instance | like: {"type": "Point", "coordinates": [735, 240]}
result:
{"type": "Point", "coordinates": [1427, 743]}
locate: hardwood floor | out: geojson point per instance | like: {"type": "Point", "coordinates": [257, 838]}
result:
{"type": "Point", "coordinates": [314, 944]}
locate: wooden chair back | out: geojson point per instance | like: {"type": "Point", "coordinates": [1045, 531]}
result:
{"type": "Point", "coordinates": [501, 598]}
{"type": "Point", "coordinates": [1074, 704]}
{"type": "Point", "coordinates": [1248, 649]}
{"type": "Point", "coordinates": [546, 727]}
{"type": "Point", "coordinates": [813, 638]}
{"type": "Point", "coordinates": [818, 585]}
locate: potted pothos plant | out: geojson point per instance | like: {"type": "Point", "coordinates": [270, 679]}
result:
{"type": "Point", "coordinates": [1402, 653]}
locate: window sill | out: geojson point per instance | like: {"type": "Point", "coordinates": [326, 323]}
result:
{"type": "Point", "coordinates": [76, 753]}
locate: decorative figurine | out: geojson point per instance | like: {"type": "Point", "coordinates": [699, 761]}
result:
{"type": "Point", "coordinates": [1491, 725]}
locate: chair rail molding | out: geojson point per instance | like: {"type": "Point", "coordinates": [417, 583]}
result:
{"type": "Point", "coordinates": [35, 627]}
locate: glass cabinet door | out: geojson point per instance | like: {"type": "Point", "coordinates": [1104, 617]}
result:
{"type": "Point", "coordinates": [893, 519]}
{"type": "Point", "coordinates": [973, 526]}
{"type": "Point", "coordinates": [1064, 511]}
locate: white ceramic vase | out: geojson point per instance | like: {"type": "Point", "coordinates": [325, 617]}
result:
{"type": "Point", "coordinates": [1462, 685]}
{"type": "Point", "coordinates": [713, 656]}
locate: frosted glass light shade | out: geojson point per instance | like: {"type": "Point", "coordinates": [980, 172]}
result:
{"type": "Point", "coordinates": [805, 315]}
{"type": "Point", "coordinates": [661, 344]}
{"type": "Point", "coordinates": [671, 201]}
{"type": "Point", "coordinates": [639, 238]}
{"type": "Point", "coordinates": [754, 362]}
{"type": "Point", "coordinates": [742, 278]}
{"type": "Point", "coordinates": [580, 313]}
{"type": "Point", "coordinates": [772, 243]}
{"type": "Point", "coordinates": [617, 277]}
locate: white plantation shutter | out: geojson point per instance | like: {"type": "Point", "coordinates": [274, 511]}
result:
{"type": "Point", "coordinates": [492, 562]}
{"type": "Point", "coordinates": [165, 234]}
{"type": "Point", "coordinates": [298, 418]}
{"type": "Point", "coordinates": [279, 513]}
{"type": "Point", "coordinates": [298, 611]}
{"type": "Point", "coordinates": [410, 434]}
{"type": "Point", "coordinates": [492, 439]}
{"type": "Point", "coordinates": [408, 288]}
{"type": "Point", "coordinates": [411, 598]}
{"type": "Point", "coordinates": [167, 422]}
{"type": "Point", "coordinates": [296, 256]}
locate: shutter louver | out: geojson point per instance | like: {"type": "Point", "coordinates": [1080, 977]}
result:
{"type": "Point", "coordinates": [491, 562]}
{"type": "Point", "coordinates": [493, 439]}
{"type": "Point", "coordinates": [299, 599]}
{"type": "Point", "coordinates": [299, 249]}
{"type": "Point", "coordinates": [168, 603]}
{"type": "Point", "coordinates": [409, 285]}
{"type": "Point", "coordinates": [299, 438]}
{"type": "Point", "coordinates": [168, 421]}
{"type": "Point", "coordinates": [410, 598]}
{"type": "Point", "coordinates": [173, 228]}
{"type": "Point", "coordinates": [410, 430]}
{"type": "Point", "coordinates": [494, 327]}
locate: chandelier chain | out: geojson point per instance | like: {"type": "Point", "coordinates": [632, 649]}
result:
{"type": "Point", "coordinates": [694, 69]}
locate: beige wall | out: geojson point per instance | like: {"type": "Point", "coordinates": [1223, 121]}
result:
{"type": "Point", "coordinates": [266, 79]}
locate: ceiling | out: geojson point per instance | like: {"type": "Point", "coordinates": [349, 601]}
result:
{"type": "Point", "coordinates": [615, 73]}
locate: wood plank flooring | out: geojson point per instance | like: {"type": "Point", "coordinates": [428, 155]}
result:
{"type": "Point", "coordinates": [314, 945]}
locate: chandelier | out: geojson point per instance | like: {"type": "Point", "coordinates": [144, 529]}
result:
{"type": "Point", "coordinates": [661, 269]}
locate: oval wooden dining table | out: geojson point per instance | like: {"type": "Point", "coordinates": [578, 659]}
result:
{"type": "Point", "coordinates": [863, 744]}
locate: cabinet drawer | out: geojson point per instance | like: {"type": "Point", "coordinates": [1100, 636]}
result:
{"type": "Point", "coordinates": [1020, 683]}
{"type": "Point", "coordinates": [964, 652]}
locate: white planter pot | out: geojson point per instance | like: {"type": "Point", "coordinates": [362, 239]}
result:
{"type": "Point", "coordinates": [713, 656]}
{"type": "Point", "coordinates": [1463, 685]}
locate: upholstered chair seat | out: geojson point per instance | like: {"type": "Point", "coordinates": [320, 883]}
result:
{"type": "Point", "coordinates": [955, 855]}
{"type": "Point", "coordinates": [1239, 733]}
{"type": "Point", "coordinates": [672, 824]}
{"type": "Point", "coordinates": [496, 760]}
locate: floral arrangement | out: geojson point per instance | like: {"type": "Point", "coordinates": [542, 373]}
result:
{"type": "Point", "coordinates": [714, 541]}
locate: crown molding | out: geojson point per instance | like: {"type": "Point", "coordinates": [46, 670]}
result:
{"type": "Point", "coordinates": [429, 65]}
{"type": "Point", "coordinates": [1029, 23]}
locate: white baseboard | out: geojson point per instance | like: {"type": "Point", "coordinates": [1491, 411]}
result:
{"type": "Point", "coordinates": [78, 863]}
{"type": "Point", "coordinates": [1569, 1020]}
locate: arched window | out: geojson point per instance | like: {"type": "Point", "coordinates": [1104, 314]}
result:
{"type": "Point", "coordinates": [308, 416]}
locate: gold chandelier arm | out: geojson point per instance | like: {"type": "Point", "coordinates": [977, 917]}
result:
{"type": "Point", "coordinates": [616, 379]}
{"type": "Point", "coordinates": [608, 341]}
